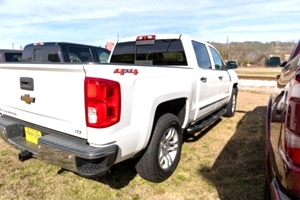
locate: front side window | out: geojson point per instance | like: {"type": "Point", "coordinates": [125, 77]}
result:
{"type": "Point", "coordinates": [80, 54]}
{"type": "Point", "coordinates": [202, 55]}
{"type": "Point", "coordinates": [103, 55]}
{"type": "Point", "coordinates": [219, 64]}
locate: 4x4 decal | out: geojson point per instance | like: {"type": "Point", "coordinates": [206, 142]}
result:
{"type": "Point", "coordinates": [125, 71]}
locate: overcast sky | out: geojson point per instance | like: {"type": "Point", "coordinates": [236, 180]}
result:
{"type": "Point", "coordinates": [96, 22]}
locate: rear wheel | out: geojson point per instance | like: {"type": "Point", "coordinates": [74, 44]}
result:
{"type": "Point", "coordinates": [162, 156]}
{"type": "Point", "coordinates": [231, 106]}
{"type": "Point", "coordinates": [267, 194]}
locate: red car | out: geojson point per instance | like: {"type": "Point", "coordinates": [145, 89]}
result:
{"type": "Point", "coordinates": [283, 133]}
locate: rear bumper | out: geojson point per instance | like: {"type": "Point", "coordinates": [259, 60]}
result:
{"type": "Point", "coordinates": [59, 149]}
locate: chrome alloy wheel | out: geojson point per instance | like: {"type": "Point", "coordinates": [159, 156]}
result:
{"type": "Point", "coordinates": [168, 148]}
{"type": "Point", "coordinates": [233, 107]}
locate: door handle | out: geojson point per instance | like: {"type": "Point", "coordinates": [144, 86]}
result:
{"type": "Point", "coordinates": [221, 77]}
{"type": "Point", "coordinates": [203, 79]}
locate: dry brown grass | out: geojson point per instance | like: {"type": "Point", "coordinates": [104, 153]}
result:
{"type": "Point", "coordinates": [225, 161]}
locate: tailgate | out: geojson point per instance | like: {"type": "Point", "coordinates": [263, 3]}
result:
{"type": "Point", "coordinates": [49, 95]}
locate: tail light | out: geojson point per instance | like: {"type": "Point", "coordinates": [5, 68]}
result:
{"type": "Point", "coordinates": [102, 102]}
{"type": "Point", "coordinates": [292, 121]}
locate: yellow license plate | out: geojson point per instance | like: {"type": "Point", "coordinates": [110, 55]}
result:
{"type": "Point", "coordinates": [32, 135]}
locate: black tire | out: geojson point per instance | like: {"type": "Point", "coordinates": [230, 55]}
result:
{"type": "Point", "coordinates": [267, 194]}
{"type": "Point", "coordinates": [231, 106]}
{"type": "Point", "coordinates": [162, 155]}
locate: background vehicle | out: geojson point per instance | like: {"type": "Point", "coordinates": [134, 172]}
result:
{"type": "Point", "coordinates": [10, 55]}
{"type": "Point", "coordinates": [64, 52]}
{"type": "Point", "coordinates": [155, 89]}
{"type": "Point", "coordinates": [232, 64]}
{"type": "Point", "coordinates": [283, 134]}
{"type": "Point", "coordinates": [273, 61]}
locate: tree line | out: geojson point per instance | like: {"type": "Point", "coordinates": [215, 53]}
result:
{"type": "Point", "coordinates": [254, 53]}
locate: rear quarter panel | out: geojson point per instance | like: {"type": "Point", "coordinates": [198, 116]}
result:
{"type": "Point", "coordinates": [140, 96]}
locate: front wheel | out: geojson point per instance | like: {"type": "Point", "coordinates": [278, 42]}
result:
{"type": "Point", "coordinates": [231, 106]}
{"type": "Point", "coordinates": [162, 155]}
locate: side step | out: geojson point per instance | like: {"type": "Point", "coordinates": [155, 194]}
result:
{"type": "Point", "coordinates": [205, 122]}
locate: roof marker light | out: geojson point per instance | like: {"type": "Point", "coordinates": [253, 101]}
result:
{"type": "Point", "coordinates": [145, 37]}
{"type": "Point", "coordinates": [38, 44]}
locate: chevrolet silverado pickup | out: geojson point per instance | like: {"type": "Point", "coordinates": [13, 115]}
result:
{"type": "Point", "coordinates": [86, 117]}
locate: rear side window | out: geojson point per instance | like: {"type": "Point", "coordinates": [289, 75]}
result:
{"type": "Point", "coordinates": [202, 55]}
{"type": "Point", "coordinates": [160, 52]}
{"type": "Point", "coordinates": [40, 54]}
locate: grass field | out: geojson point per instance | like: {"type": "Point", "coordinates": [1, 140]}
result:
{"type": "Point", "coordinates": [259, 71]}
{"type": "Point", "coordinates": [225, 161]}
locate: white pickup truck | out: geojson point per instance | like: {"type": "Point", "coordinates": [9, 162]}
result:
{"type": "Point", "coordinates": [86, 117]}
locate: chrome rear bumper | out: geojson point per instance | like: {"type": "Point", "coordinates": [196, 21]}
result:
{"type": "Point", "coordinates": [59, 149]}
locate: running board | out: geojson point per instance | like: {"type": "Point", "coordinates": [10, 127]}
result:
{"type": "Point", "coordinates": [205, 122]}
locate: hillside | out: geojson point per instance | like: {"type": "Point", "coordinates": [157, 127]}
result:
{"type": "Point", "coordinates": [254, 53]}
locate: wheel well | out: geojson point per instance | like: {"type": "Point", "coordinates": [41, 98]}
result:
{"type": "Point", "coordinates": [176, 107]}
{"type": "Point", "coordinates": [235, 86]}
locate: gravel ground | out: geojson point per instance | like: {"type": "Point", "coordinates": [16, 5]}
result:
{"type": "Point", "coordinates": [257, 85]}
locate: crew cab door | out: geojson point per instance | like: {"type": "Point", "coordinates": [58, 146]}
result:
{"type": "Point", "coordinates": [223, 93]}
{"type": "Point", "coordinates": [208, 81]}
